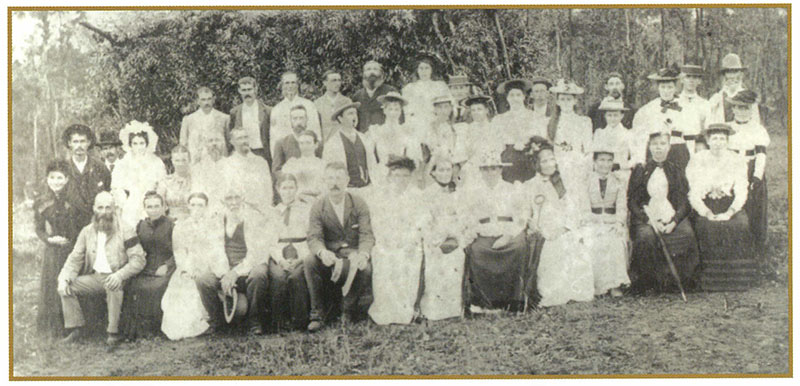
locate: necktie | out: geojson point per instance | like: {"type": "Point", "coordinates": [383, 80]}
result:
{"type": "Point", "coordinates": [286, 215]}
{"type": "Point", "coordinates": [603, 184]}
{"type": "Point", "coordinates": [289, 251]}
{"type": "Point", "coordinates": [665, 105]}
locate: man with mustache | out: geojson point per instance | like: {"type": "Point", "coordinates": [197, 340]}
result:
{"type": "Point", "coordinates": [254, 116]}
{"type": "Point", "coordinates": [105, 256]}
{"type": "Point", "coordinates": [288, 146]}
{"type": "Point", "coordinates": [332, 98]}
{"type": "Point", "coordinates": [351, 148]}
{"type": "Point", "coordinates": [280, 120]}
{"type": "Point", "coordinates": [110, 148]}
{"type": "Point", "coordinates": [250, 172]}
{"type": "Point", "coordinates": [205, 119]}
{"type": "Point", "coordinates": [87, 175]}
{"type": "Point", "coordinates": [206, 175]}
{"type": "Point", "coordinates": [614, 87]}
{"type": "Point", "coordinates": [371, 110]}
{"type": "Point", "coordinates": [340, 239]}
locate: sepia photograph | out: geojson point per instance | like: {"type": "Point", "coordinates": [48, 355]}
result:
{"type": "Point", "coordinates": [400, 191]}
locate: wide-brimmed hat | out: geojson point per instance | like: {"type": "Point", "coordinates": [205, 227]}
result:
{"type": "Point", "coordinates": [665, 128]}
{"type": "Point", "coordinates": [491, 159]}
{"type": "Point", "coordinates": [471, 100]}
{"type": "Point", "coordinates": [611, 104]}
{"type": "Point", "coordinates": [717, 128]}
{"type": "Point", "coordinates": [392, 96]}
{"type": "Point", "coordinates": [522, 84]}
{"type": "Point", "coordinates": [458, 80]}
{"type": "Point", "coordinates": [564, 87]}
{"type": "Point", "coordinates": [343, 274]}
{"type": "Point", "coordinates": [692, 70]}
{"type": "Point", "coordinates": [744, 98]}
{"type": "Point", "coordinates": [542, 80]}
{"type": "Point", "coordinates": [665, 74]}
{"type": "Point", "coordinates": [134, 127]}
{"type": "Point", "coordinates": [109, 138]}
{"type": "Point", "coordinates": [234, 304]}
{"type": "Point", "coordinates": [444, 98]}
{"type": "Point", "coordinates": [602, 147]}
{"type": "Point", "coordinates": [341, 109]}
{"type": "Point", "coordinates": [731, 62]}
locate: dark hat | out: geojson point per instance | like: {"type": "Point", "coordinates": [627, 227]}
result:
{"type": "Point", "coordinates": [718, 128]}
{"type": "Point", "coordinates": [542, 80]}
{"type": "Point", "coordinates": [78, 129]}
{"type": "Point", "coordinates": [340, 110]}
{"type": "Point", "coordinates": [109, 138]}
{"type": "Point", "coordinates": [731, 62]}
{"type": "Point", "coordinates": [519, 83]}
{"type": "Point", "coordinates": [666, 74]}
{"type": "Point", "coordinates": [744, 98]}
{"type": "Point", "coordinates": [396, 162]}
{"type": "Point", "coordinates": [692, 70]}
{"type": "Point", "coordinates": [474, 99]}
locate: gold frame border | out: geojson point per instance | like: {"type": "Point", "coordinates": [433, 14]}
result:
{"type": "Point", "coordinates": [12, 377]}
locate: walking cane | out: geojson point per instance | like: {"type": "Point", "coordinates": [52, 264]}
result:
{"type": "Point", "coordinates": [671, 265]}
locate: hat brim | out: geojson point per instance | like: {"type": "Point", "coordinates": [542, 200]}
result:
{"type": "Point", "coordinates": [233, 306]}
{"type": "Point", "coordinates": [732, 69]}
{"type": "Point", "coordinates": [504, 87]}
{"type": "Point", "coordinates": [342, 109]}
{"type": "Point", "coordinates": [707, 132]}
{"type": "Point", "coordinates": [383, 99]}
{"type": "Point", "coordinates": [738, 103]}
{"type": "Point", "coordinates": [469, 101]}
{"type": "Point", "coordinates": [659, 78]}
{"type": "Point", "coordinates": [498, 165]}
{"type": "Point", "coordinates": [110, 143]}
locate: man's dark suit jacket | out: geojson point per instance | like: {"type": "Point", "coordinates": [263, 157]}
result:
{"type": "Point", "coordinates": [263, 118]}
{"type": "Point", "coordinates": [371, 111]}
{"type": "Point", "coordinates": [83, 187]}
{"type": "Point", "coordinates": [326, 232]}
{"type": "Point", "coordinates": [286, 147]}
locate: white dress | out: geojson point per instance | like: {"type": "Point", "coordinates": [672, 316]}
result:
{"type": "Point", "coordinates": [198, 251]}
{"type": "Point", "coordinates": [133, 176]}
{"type": "Point", "coordinates": [309, 173]}
{"type": "Point", "coordinates": [420, 95]}
{"type": "Point", "coordinates": [573, 140]}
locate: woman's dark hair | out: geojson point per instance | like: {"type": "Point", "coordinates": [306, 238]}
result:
{"type": "Point", "coordinates": [283, 177]}
{"type": "Point", "coordinates": [58, 165]}
{"type": "Point", "coordinates": [200, 195]}
{"type": "Point", "coordinates": [598, 153]}
{"type": "Point", "coordinates": [152, 194]}
{"type": "Point", "coordinates": [395, 162]}
{"type": "Point", "coordinates": [141, 134]}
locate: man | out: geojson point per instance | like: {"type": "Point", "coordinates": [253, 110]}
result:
{"type": "Point", "coordinates": [245, 269]}
{"type": "Point", "coordinates": [87, 175]}
{"type": "Point", "coordinates": [288, 146]}
{"type": "Point", "coordinates": [205, 119]}
{"type": "Point", "coordinates": [460, 88]}
{"type": "Point", "coordinates": [105, 256]}
{"type": "Point", "coordinates": [692, 76]}
{"type": "Point", "coordinates": [370, 111]}
{"type": "Point", "coordinates": [248, 172]}
{"type": "Point", "coordinates": [350, 147]}
{"type": "Point", "coordinates": [110, 148]}
{"type": "Point", "coordinates": [340, 239]}
{"type": "Point", "coordinates": [254, 117]}
{"type": "Point", "coordinates": [206, 175]}
{"type": "Point", "coordinates": [279, 118]}
{"type": "Point", "coordinates": [732, 73]}
{"type": "Point", "coordinates": [332, 80]}
{"type": "Point", "coordinates": [614, 87]}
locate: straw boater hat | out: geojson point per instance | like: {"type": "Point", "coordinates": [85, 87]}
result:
{"type": "Point", "coordinates": [392, 96]}
{"type": "Point", "coordinates": [611, 104]}
{"type": "Point", "coordinates": [234, 304]}
{"type": "Point", "coordinates": [692, 70]}
{"type": "Point", "coordinates": [602, 147]}
{"type": "Point", "coordinates": [744, 98]}
{"type": "Point", "coordinates": [458, 80]}
{"type": "Point", "coordinates": [731, 62]}
{"type": "Point", "coordinates": [491, 159]}
{"type": "Point", "coordinates": [718, 128]}
{"type": "Point", "coordinates": [138, 127]}
{"type": "Point", "coordinates": [444, 98]}
{"type": "Point", "coordinates": [542, 80]}
{"type": "Point", "coordinates": [342, 109]}
{"type": "Point", "coordinates": [474, 99]}
{"type": "Point", "coordinates": [564, 87]}
{"type": "Point", "coordinates": [109, 138]}
{"type": "Point", "coordinates": [522, 84]}
{"type": "Point", "coordinates": [664, 75]}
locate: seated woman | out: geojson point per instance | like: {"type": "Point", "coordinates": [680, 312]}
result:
{"type": "Point", "coordinates": [57, 227]}
{"type": "Point", "coordinates": [176, 187]}
{"type": "Point", "coordinates": [604, 222]}
{"type": "Point", "coordinates": [198, 248]}
{"type": "Point", "coordinates": [141, 306]}
{"type": "Point", "coordinates": [564, 272]}
{"type": "Point", "coordinates": [443, 246]}
{"type": "Point", "coordinates": [287, 282]}
{"type": "Point", "coordinates": [397, 257]}
{"type": "Point", "coordinates": [718, 192]}
{"type": "Point", "coordinates": [307, 169]}
{"type": "Point", "coordinates": [657, 201]}
{"type": "Point", "coordinates": [498, 256]}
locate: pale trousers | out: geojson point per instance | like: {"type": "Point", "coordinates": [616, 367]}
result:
{"type": "Point", "coordinates": [91, 285]}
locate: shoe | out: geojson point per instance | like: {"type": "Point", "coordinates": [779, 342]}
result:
{"type": "Point", "coordinates": [315, 326]}
{"type": "Point", "coordinates": [256, 330]}
{"type": "Point", "coordinates": [75, 335]}
{"type": "Point", "coordinates": [113, 339]}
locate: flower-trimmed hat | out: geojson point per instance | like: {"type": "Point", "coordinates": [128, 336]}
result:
{"type": "Point", "coordinates": [392, 96]}
{"type": "Point", "coordinates": [667, 74]}
{"type": "Point", "coordinates": [564, 87]}
{"type": "Point", "coordinates": [491, 159]}
{"type": "Point", "coordinates": [744, 98]}
{"type": "Point", "coordinates": [136, 127]}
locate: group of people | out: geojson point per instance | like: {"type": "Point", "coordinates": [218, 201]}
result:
{"type": "Point", "coordinates": [403, 205]}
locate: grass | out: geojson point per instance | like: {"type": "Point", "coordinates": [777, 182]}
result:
{"type": "Point", "coordinates": [714, 333]}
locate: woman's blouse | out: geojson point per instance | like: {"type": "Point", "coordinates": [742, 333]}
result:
{"type": "Point", "coordinates": [721, 176]}
{"type": "Point", "coordinates": [667, 183]}
{"type": "Point", "coordinates": [420, 95]}
{"type": "Point", "coordinates": [619, 138]}
{"type": "Point", "coordinates": [199, 246]}
{"type": "Point", "coordinates": [156, 240]}
{"type": "Point", "coordinates": [176, 190]}
{"type": "Point", "coordinates": [574, 134]}
{"type": "Point", "coordinates": [309, 173]}
{"type": "Point", "coordinates": [605, 200]}
{"type": "Point", "coordinates": [750, 140]}
{"type": "Point", "coordinates": [55, 216]}
{"type": "Point", "coordinates": [518, 126]}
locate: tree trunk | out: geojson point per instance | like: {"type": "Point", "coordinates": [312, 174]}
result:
{"type": "Point", "coordinates": [558, 43]}
{"type": "Point", "coordinates": [662, 57]}
{"type": "Point", "coordinates": [435, 19]}
{"type": "Point", "coordinates": [506, 61]}
{"type": "Point", "coordinates": [627, 29]}
{"type": "Point", "coordinates": [571, 37]}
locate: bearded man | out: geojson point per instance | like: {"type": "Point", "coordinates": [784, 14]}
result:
{"type": "Point", "coordinates": [371, 110]}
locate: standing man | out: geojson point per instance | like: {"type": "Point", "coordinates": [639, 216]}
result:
{"type": "Point", "coordinates": [692, 77]}
{"type": "Point", "coordinates": [370, 111]}
{"type": "Point", "coordinates": [340, 239]}
{"type": "Point", "coordinates": [280, 120]}
{"type": "Point", "coordinates": [329, 101]}
{"type": "Point", "coordinates": [253, 116]}
{"type": "Point", "coordinates": [732, 72]}
{"type": "Point", "coordinates": [541, 106]}
{"type": "Point", "coordinates": [87, 176]}
{"type": "Point", "coordinates": [207, 174]}
{"type": "Point", "coordinates": [614, 87]}
{"type": "Point", "coordinates": [460, 88]}
{"type": "Point", "coordinates": [351, 148]}
{"type": "Point", "coordinates": [248, 172]}
{"type": "Point", "coordinates": [105, 256]}
{"type": "Point", "coordinates": [288, 146]}
{"type": "Point", "coordinates": [205, 119]}
{"type": "Point", "coordinates": [110, 148]}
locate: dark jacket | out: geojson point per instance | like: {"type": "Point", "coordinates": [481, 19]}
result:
{"type": "Point", "coordinates": [638, 196]}
{"type": "Point", "coordinates": [326, 232]}
{"type": "Point", "coordinates": [55, 216]}
{"type": "Point", "coordinates": [263, 118]}
{"type": "Point", "coordinates": [156, 240]}
{"type": "Point", "coordinates": [287, 147]}
{"type": "Point", "coordinates": [83, 187]}
{"type": "Point", "coordinates": [371, 111]}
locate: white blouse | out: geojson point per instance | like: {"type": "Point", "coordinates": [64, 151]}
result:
{"type": "Point", "coordinates": [725, 174]}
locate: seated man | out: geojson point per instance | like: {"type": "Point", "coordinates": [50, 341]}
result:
{"type": "Point", "coordinates": [243, 266]}
{"type": "Point", "coordinates": [341, 240]}
{"type": "Point", "coordinates": [104, 258]}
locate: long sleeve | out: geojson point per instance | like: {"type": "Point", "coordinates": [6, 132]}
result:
{"type": "Point", "coordinates": [135, 253]}
{"type": "Point", "coordinates": [679, 196]}
{"type": "Point", "coordinates": [636, 196]}
{"type": "Point", "coordinates": [40, 223]}
{"type": "Point", "coordinates": [740, 184]}
{"type": "Point", "coordinates": [279, 157]}
{"type": "Point", "coordinates": [76, 258]}
{"type": "Point", "coordinates": [697, 186]}
{"type": "Point", "coordinates": [184, 134]}
{"type": "Point", "coordinates": [621, 204]}
{"type": "Point", "coordinates": [316, 240]}
{"type": "Point", "coordinates": [366, 239]}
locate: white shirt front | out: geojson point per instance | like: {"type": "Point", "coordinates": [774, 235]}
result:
{"type": "Point", "coordinates": [80, 165]}
{"type": "Point", "coordinates": [251, 125]}
{"type": "Point", "coordinates": [101, 260]}
{"type": "Point", "coordinates": [339, 210]}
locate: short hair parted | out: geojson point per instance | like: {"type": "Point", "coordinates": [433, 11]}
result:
{"type": "Point", "coordinates": [58, 165]}
{"type": "Point", "coordinates": [78, 129]}
{"type": "Point", "coordinates": [283, 177]}
{"type": "Point", "coordinates": [310, 134]}
{"type": "Point", "coordinates": [329, 73]}
{"type": "Point", "coordinates": [247, 81]}
{"type": "Point", "coordinates": [152, 194]}
{"type": "Point", "coordinates": [204, 90]}
{"type": "Point", "coordinates": [336, 165]}
{"type": "Point", "coordinates": [298, 107]}
{"type": "Point", "coordinates": [199, 195]}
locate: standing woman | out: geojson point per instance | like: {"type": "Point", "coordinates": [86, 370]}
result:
{"type": "Point", "coordinates": [141, 311]}
{"type": "Point", "coordinates": [57, 226]}
{"type": "Point", "coordinates": [516, 127]}
{"type": "Point", "coordinates": [571, 133]}
{"type": "Point", "coordinates": [307, 169]}
{"type": "Point", "coordinates": [393, 138]}
{"type": "Point", "coordinates": [420, 93]}
{"type": "Point", "coordinates": [658, 197]}
{"type": "Point", "coordinates": [176, 187]}
{"type": "Point", "coordinates": [718, 192]}
{"type": "Point", "coordinates": [443, 136]}
{"type": "Point", "coordinates": [138, 172]}
{"type": "Point", "coordinates": [478, 135]}
{"type": "Point", "coordinates": [750, 139]}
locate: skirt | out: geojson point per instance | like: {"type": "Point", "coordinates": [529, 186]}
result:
{"type": "Point", "coordinates": [565, 271]}
{"type": "Point", "coordinates": [49, 316]}
{"type": "Point", "coordinates": [756, 207]}
{"type": "Point", "coordinates": [442, 284]}
{"type": "Point", "coordinates": [501, 278]}
{"type": "Point", "coordinates": [395, 284]}
{"type": "Point", "coordinates": [726, 248]}
{"type": "Point", "coordinates": [608, 252]}
{"type": "Point", "coordinates": [649, 266]}
{"type": "Point", "coordinates": [184, 313]}
{"type": "Point", "coordinates": [141, 306]}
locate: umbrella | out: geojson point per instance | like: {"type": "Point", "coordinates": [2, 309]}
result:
{"type": "Point", "coordinates": [668, 257]}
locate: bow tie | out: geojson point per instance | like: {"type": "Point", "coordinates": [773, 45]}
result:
{"type": "Point", "coordinates": [670, 105]}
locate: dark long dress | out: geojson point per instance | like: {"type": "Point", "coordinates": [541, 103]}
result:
{"type": "Point", "coordinates": [649, 267]}
{"type": "Point", "coordinates": [141, 307]}
{"type": "Point", "coordinates": [727, 249]}
{"type": "Point", "coordinates": [756, 208]}
{"type": "Point", "coordinates": [494, 274]}
{"type": "Point", "coordinates": [53, 216]}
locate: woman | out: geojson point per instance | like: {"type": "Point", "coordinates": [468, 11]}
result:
{"type": "Point", "coordinates": [657, 202]}
{"type": "Point", "coordinates": [307, 169]}
{"type": "Point", "coordinates": [443, 136]}
{"type": "Point", "coordinates": [138, 172]}
{"type": "Point", "coordinates": [443, 246]}
{"type": "Point", "coordinates": [479, 137]}
{"type": "Point", "coordinates": [565, 268]}
{"type": "Point", "coordinates": [420, 93]}
{"type": "Point", "coordinates": [516, 127]}
{"type": "Point", "coordinates": [616, 135]}
{"type": "Point", "coordinates": [198, 246]}
{"type": "Point", "coordinates": [141, 312]}
{"type": "Point", "coordinates": [718, 192]}
{"type": "Point", "coordinates": [288, 290]}
{"type": "Point", "coordinates": [393, 138]}
{"type": "Point", "coordinates": [571, 133]}
{"type": "Point", "coordinates": [176, 187]}
{"type": "Point", "coordinates": [604, 223]}
{"type": "Point", "coordinates": [57, 227]}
